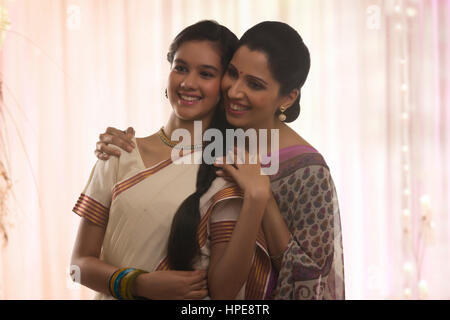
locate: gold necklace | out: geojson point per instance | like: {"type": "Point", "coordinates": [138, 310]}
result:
{"type": "Point", "coordinates": [165, 139]}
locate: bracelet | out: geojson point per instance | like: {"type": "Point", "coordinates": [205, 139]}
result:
{"type": "Point", "coordinates": [127, 283]}
{"type": "Point", "coordinates": [279, 255]}
{"type": "Point", "coordinates": [121, 281]}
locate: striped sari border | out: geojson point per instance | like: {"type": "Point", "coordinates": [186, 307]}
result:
{"type": "Point", "coordinates": [261, 265]}
{"type": "Point", "coordinates": [92, 210]}
{"type": "Point", "coordinates": [163, 265]}
{"type": "Point", "coordinates": [221, 231]}
{"type": "Point", "coordinates": [128, 183]}
{"type": "Point", "coordinates": [227, 193]}
{"type": "Point", "coordinates": [258, 277]}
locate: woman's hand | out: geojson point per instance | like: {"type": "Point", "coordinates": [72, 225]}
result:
{"type": "Point", "coordinates": [246, 173]}
{"type": "Point", "coordinates": [171, 285]}
{"type": "Point", "coordinates": [116, 137]}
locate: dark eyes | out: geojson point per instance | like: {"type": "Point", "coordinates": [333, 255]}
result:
{"type": "Point", "coordinates": [252, 84]}
{"type": "Point", "coordinates": [206, 74]}
{"type": "Point", "coordinates": [180, 68]}
{"type": "Point", "coordinates": [255, 85]}
{"type": "Point", "coordinates": [203, 74]}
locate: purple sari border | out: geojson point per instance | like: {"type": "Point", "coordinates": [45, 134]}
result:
{"type": "Point", "coordinates": [294, 160]}
{"type": "Point", "coordinates": [271, 285]}
{"type": "Point", "coordinates": [289, 152]}
{"type": "Point", "coordinates": [295, 149]}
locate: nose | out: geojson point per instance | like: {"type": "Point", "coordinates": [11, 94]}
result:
{"type": "Point", "coordinates": [235, 90]}
{"type": "Point", "coordinates": [189, 82]}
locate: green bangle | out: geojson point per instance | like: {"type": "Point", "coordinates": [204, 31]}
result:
{"type": "Point", "coordinates": [112, 281]}
{"type": "Point", "coordinates": [127, 283]}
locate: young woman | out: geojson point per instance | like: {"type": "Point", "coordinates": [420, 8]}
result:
{"type": "Point", "coordinates": [298, 251]}
{"type": "Point", "coordinates": [128, 203]}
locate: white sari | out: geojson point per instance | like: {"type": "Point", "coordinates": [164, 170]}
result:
{"type": "Point", "coordinates": [136, 205]}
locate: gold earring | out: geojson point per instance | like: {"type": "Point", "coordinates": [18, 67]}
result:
{"type": "Point", "coordinates": [282, 116]}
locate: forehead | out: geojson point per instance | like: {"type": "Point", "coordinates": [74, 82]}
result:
{"type": "Point", "coordinates": [252, 62]}
{"type": "Point", "coordinates": [199, 53]}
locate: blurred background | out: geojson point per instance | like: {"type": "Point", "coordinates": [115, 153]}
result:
{"type": "Point", "coordinates": [376, 104]}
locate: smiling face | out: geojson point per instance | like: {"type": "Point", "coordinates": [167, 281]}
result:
{"type": "Point", "coordinates": [194, 81]}
{"type": "Point", "coordinates": [251, 94]}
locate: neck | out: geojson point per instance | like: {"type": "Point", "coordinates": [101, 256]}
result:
{"type": "Point", "coordinates": [195, 128]}
{"type": "Point", "coordinates": [269, 135]}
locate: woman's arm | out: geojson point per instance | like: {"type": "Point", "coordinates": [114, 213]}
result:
{"type": "Point", "coordinates": [276, 232]}
{"type": "Point", "coordinates": [95, 273]}
{"type": "Point", "coordinates": [230, 262]}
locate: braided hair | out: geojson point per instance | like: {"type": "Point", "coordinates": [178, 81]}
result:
{"type": "Point", "coordinates": [183, 245]}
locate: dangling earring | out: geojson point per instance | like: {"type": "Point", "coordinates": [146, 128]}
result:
{"type": "Point", "coordinates": [167, 97]}
{"type": "Point", "coordinates": [282, 116]}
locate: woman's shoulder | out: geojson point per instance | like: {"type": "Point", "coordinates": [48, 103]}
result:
{"type": "Point", "coordinates": [148, 145]}
{"type": "Point", "coordinates": [291, 144]}
{"type": "Point", "coordinates": [289, 137]}
{"type": "Point", "coordinates": [296, 158]}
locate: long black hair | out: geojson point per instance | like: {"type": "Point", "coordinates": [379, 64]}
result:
{"type": "Point", "coordinates": [289, 62]}
{"type": "Point", "coordinates": [288, 57]}
{"type": "Point", "coordinates": [183, 245]}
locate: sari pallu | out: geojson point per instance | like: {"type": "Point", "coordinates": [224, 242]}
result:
{"type": "Point", "coordinates": [312, 266]}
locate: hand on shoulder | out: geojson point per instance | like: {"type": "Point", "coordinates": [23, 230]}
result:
{"type": "Point", "coordinates": [115, 137]}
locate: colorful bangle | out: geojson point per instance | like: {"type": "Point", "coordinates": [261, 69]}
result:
{"type": "Point", "coordinates": [127, 283]}
{"type": "Point", "coordinates": [112, 280]}
{"type": "Point", "coordinates": [115, 282]}
{"type": "Point", "coordinates": [118, 282]}
{"type": "Point", "coordinates": [121, 281]}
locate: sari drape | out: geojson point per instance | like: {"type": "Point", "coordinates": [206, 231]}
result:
{"type": "Point", "coordinates": [136, 205]}
{"type": "Point", "coordinates": [312, 266]}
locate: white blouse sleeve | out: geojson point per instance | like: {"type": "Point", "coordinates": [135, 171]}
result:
{"type": "Point", "coordinates": [95, 200]}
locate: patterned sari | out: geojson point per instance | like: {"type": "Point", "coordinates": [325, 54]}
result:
{"type": "Point", "coordinates": [312, 265]}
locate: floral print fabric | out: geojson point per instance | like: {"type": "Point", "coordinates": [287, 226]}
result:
{"type": "Point", "coordinates": [312, 266]}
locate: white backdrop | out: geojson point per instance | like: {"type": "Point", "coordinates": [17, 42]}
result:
{"type": "Point", "coordinates": [376, 105]}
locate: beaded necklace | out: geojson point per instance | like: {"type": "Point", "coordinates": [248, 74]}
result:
{"type": "Point", "coordinates": [165, 139]}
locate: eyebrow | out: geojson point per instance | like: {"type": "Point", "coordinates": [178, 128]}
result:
{"type": "Point", "coordinates": [207, 66]}
{"type": "Point", "coordinates": [249, 76]}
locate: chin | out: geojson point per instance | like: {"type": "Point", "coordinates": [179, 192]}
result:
{"type": "Point", "coordinates": [237, 122]}
{"type": "Point", "coordinates": [190, 114]}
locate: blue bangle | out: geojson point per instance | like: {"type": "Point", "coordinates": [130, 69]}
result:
{"type": "Point", "coordinates": [117, 282]}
